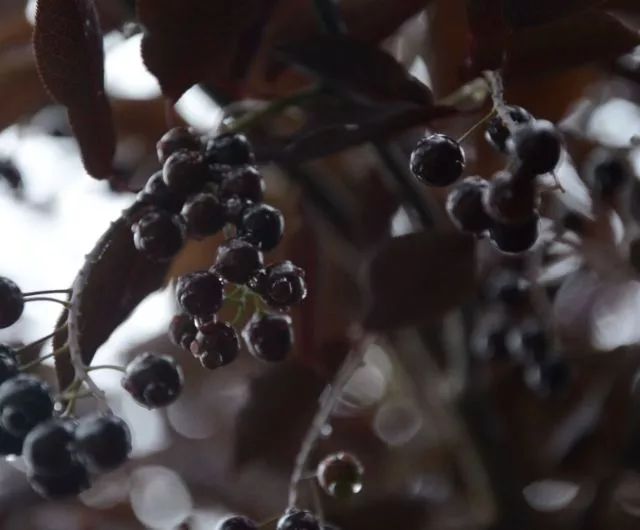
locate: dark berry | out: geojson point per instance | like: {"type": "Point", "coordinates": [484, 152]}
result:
{"type": "Point", "coordinates": [246, 183]}
{"type": "Point", "coordinates": [8, 365]}
{"type": "Point", "coordinates": [49, 448]}
{"type": "Point", "coordinates": [262, 226]}
{"type": "Point", "coordinates": [201, 293]}
{"type": "Point", "coordinates": [515, 237]}
{"type": "Point", "coordinates": [508, 288]}
{"type": "Point", "coordinates": [283, 285]}
{"type": "Point", "coordinates": [489, 340]}
{"type": "Point", "coordinates": [529, 340]}
{"type": "Point", "coordinates": [216, 344]}
{"type": "Point", "coordinates": [182, 331]}
{"type": "Point", "coordinates": [153, 380]}
{"type": "Point", "coordinates": [234, 208]}
{"type": "Point", "coordinates": [103, 442]}
{"type": "Point", "coordinates": [10, 444]}
{"type": "Point", "coordinates": [11, 302]}
{"type": "Point", "coordinates": [269, 337]}
{"type": "Point", "coordinates": [238, 261]}
{"type": "Point", "coordinates": [232, 148]}
{"type": "Point", "coordinates": [437, 160]}
{"type": "Point", "coordinates": [237, 522]}
{"type": "Point", "coordinates": [159, 235]}
{"type": "Point", "coordinates": [203, 215]}
{"type": "Point", "coordinates": [548, 377]}
{"type": "Point", "coordinates": [157, 193]}
{"type": "Point", "coordinates": [465, 208]}
{"type": "Point", "coordinates": [25, 401]}
{"type": "Point", "coordinates": [509, 199]}
{"type": "Point", "coordinates": [538, 146]}
{"type": "Point", "coordinates": [217, 173]}
{"type": "Point", "coordinates": [606, 173]}
{"type": "Point", "coordinates": [340, 475]}
{"type": "Point", "coordinates": [11, 174]}
{"type": "Point", "coordinates": [75, 481]}
{"type": "Point", "coordinates": [174, 140]}
{"type": "Point", "coordinates": [497, 132]}
{"type": "Point", "coordinates": [185, 172]}
{"type": "Point", "coordinates": [298, 520]}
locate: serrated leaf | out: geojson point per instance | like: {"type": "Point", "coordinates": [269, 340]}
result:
{"type": "Point", "coordinates": [70, 59]}
{"type": "Point", "coordinates": [419, 277]}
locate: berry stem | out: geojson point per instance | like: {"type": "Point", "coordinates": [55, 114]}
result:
{"type": "Point", "coordinates": [268, 521]}
{"type": "Point", "coordinates": [478, 124]}
{"type": "Point", "coordinates": [48, 291]}
{"type": "Point", "coordinates": [328, 400]}
{"type": "Point", "coordinates": [317, 502]}
{"type": "Point", "coordinates": [42, 339]}
{"type": "Point", "coordinates": [48, 299]}
{"type": "Point", "coordinates": [36, 362]}
{"type": "Point", "coordinates": [494, 79]}
{"type": "Point", "coordinates": [106, 367]}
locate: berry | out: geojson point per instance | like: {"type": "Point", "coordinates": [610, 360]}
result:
{"type": "Point", "coordinates": [185, 172]}
{"type": "Point", "coordinates": [103, 442]}
{"type": "Point", "coordinates": [437, 160]}
{"type": "Point", "coordinates": [530, 341]}
{"type": "Point", "coordinates": [497, 132]}
{"type": "Point", "coordinates": [216, 344]}
{"type": "Point", "coordinates": [269, 337]}
{"type": "Point", "coordinates": [515, 237]}
{"type": "Point", "coordinates": [11, 174]}
{"type": "Point", "coordinates": [538, 146]}
{"type": "Point", "coordinates": [464, 205]}
{"type": "Point", "coordinates": [175, 140]}
{"type": "Point", "coordinates": [75, 481]}
{"type": "Point", "coordinates": [340, 475]}
{"type": "Point", "coordinates": [237, 522]}
{"type": "Point", "coordinates": [159, 235]}
{"type": "Point", "coordinates": [508, 288]}
{"type": "Point", "coordinates": [606, 173]}
{"type": "Point", "coordinates": [25, 401]}
{"type": "Point", "coordinates": [9, 444]}
{"type": "Point", "coordinates": [203, 215]}
{"type": "Point", "coordinates": [246, 183]}
{"type": "Point", "coordinates": [49, 448]}
{"type": "Point", "coordinates": [157, 193]}
{"type": "Point", "coordinates": [489, 340]}
{"type": "Point", "coordinates": [153, 380]}
{"type": "Point", "coordinates": [182, 331]}
{"type": "Point", "coordinates": [11, 302]}
{"type": "Point", "coordinates": [217, 173]}
{"type": "Point", "coordinates": [234, 208]}
{"type": "Point", "coordinates": [283, 285]}
{"type": "Point", "coordinates": [509, 199]}
{"type": "Point", "coordinates": [200, 294]}
{"type": "Point", "coordinates": [238, 261]}
{"type": "Point", "coordinates": [548, 377]}
{"type": "Point", "coordinates": [262, 226]}
{"type": "Point", "coordinates": [232, 148]}
{"type": "Point", "coordinates": [8, 364]}
{"type": "Point", "coordinates": [298, 520]}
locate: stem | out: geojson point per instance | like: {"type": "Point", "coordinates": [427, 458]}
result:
{"type": "Point", "coordinates": [474, 127]}
{"type": "Point", "coordinates": [43, 339]}
{"type": "Point", "coordinates": [39, 360]}
{"type": "Point", "coordinates": [49, 291]}
{"type": "Point", "coordinates": [106, 367]}
{"type": "Point", "coordinates": [328, 400]}
{"type": "Point", "coordinates": [494, 79]}
{"type": "Point", "coordinates": [48, 299]}
{"type": "Point", "coordinates": [267, 522]}
{"type": "Point", "coordinates": [317, 502]}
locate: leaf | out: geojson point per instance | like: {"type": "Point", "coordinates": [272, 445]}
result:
{"type": "Point", "coordinates": [419, 277]}
{"type": "Point", "coordinates": [522, 13]}
{"type": "Point", "coordinates": [115, 278]}
{"type": "Point", "coordinates": [70, 59]}
{"type": "Point", "coordinates": [363, 69]}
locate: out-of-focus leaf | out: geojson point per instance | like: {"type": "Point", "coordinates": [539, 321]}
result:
{"type": "Point", "coordinates": [522, 13]}
{"type": "Point", "coordinates": [70, 58]}
{"type": "Point", "coordinates": [419, 277]}
{"type": "Point", "coordinates": [362, 69]}
{"type": "Point", "coordinates": [115, 278]}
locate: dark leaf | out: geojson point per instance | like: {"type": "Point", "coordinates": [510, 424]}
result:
{"type": "Point", "coordinates": [419, 277]}
{"type": "Point", "coordinates": [70, 56]}
{"type": "Point", "coordinates": [113, 281]}
{"type": "Point", "coordinates": [522, 13]}
{"type": "Point", "coordinates": [358, 68]}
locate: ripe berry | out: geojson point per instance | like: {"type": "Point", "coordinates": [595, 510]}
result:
{"type": "Point", "coordinates": [232, 148]}
{"type": "Point", "coordinates": [217, 173]}
{"type": "Point", "coordinates": [464, 205]}
{"type": "Point", "coordinates": [538, 146]}
{"type": "Point", "coordinates": [340, 475]}
{"type": "Point", "coordinates": [508, 288]}
{"type": "Point", "coordinates": [182, 331]}
{"type": "Point", "coordinates": [606, 173]}
{"type": "Point", "coordinates": [49, 448]}
{"type": "Point", "coordinates": [234, 208]}
{"type": "Point", "coordinates": [8, 364]}
{"type": "Point", "coordinates": [509, 199]}
{"type": "Point", "coordinates": [269, 337]}
{"type": "Point", "coordinates": [548, 377]}
{"type": "Point", "coordinates": [25, 401]}
{"type": "Point", "coordinates": [10, 444]}
{"type": "Point", "coordinates": [216, 344]}
{"type": "Point", "coordinates": [11, 302]}
{"type": "Point", "coordinates": [515, 237]}
{"type": "Point", "coordinates": [238, 522]}
{"type": "Point", "coordinates": [203, 215]}
{"type": "Point", "coordinates": [298, 520]}
{"type": "Point", "coordinates": [153, 380]}
{"type": "Point", "coordinates": [159, 235]}
{"type": "Point", "coordinates": [175, 140]}
{"type": "Point", "coordinates": [246, 183]}
{"type": "Point", "coordinates": [437, 160]}
{"type": "Point", "coordinates": [200, 293]}
{"type": "Point", "coordinates": [262, 226]}
{"type": "Point", "coordinates": [157, 193]}
{"type": "Point", "coordinates": [75, 481]}
{"type": "Point", "coordinates": [238, 261]}
{"type": "Point", "coordinates": [283, 285]}
{"type": "Point", "coordinates": [185, 172]}
{"type": "Point", "coordinates": [497, 132]}
{"type": "Point", "coordinates": [103, 442]}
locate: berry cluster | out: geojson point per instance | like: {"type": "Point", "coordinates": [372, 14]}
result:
{"type": "Point", "coordinates": [506, 207]}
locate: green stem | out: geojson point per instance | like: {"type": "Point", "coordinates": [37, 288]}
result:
{"type": "Point", "coordinates": [482, 120]}
{"type": "Point", "coordinates": [106, 367]}
{"type": "Point", "coordinates": [49, 291]}
{"type": "Point", "coordinates": [48, 299]}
